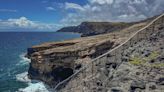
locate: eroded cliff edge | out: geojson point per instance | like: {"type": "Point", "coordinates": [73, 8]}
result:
{"type": "Point", "coordinates": [54, 62]}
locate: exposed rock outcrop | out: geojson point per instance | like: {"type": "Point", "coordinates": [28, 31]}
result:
{"type": "Point", "coordinates": [55, 61]}
{"type": "Point", "coordinates": [143, 68]}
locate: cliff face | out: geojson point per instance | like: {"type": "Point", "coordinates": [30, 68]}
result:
{"type": "Point", "coordinates": [52, 63]}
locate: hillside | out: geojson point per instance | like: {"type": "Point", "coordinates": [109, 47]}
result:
{"type": "Point", "coordinates": [95, 28]}
{"type": "Point", "coordinates": [142, 68]}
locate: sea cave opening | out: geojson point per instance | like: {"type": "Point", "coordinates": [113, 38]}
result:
{"type": "Point", "coordinates": [61, 73]}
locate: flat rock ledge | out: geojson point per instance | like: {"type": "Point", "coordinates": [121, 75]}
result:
{"type": "Point", "coordinates": [54, 62]}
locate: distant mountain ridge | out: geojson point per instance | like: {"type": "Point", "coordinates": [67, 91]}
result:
{"type": "Point", "coordinates": [95, 28]}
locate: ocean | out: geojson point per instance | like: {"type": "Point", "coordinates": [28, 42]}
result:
{"type": "Point", "coordinates": [13, 64]}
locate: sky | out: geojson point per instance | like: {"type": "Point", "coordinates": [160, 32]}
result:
{"type": "Point", "coordinates": [51, 15]}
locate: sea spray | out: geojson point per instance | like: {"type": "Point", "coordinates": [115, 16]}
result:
{"type": "Point", "coordinates": [23, 60]}
{"type": "Point", "coordinates": [33, 85]}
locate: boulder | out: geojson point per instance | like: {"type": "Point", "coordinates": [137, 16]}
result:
{"type": "Point", "coordinates": [137, 84]}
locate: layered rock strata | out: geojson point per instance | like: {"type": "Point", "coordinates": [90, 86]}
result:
{"type": "Point", "coordinates": [55, 62]}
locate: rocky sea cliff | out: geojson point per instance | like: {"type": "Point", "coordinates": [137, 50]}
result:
{"type": "Point", "coordinates": [53, 62]}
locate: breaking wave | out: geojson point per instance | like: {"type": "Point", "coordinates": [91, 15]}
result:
{"type": "Point", "coordinates": [23, 59]}
{"type": "Point", "coordinates": [33, 85]}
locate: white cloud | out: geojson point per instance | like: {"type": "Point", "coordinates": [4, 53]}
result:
{"type": "Point", "coordinates": [112, 10]}
{"type": "Point", "coordinates": [50, 9]}
{"type": "Point", "coordinates": [7, 10]}
{"type": "Point", "coordinates": [24, 23]}
{"type": "Point", "coordinates": [73, 6]}
{"type": "Point", "coordinates": [101, 1]}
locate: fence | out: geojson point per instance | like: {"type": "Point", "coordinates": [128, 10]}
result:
{"type": "Point", "coordinates": [95, 76]}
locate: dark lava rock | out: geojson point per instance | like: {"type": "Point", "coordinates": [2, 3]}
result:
{"type": "Point", "coordinates": [152, 87]}
{"type": "Point", "coordinates": [116, 90]}
{"type": "Point", "coordinates": [160, 81]}
{"type": "Point", "coordinates": [137, 84]}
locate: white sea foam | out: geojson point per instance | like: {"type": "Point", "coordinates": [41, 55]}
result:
{"type": "Point", "coordinates": [23, 77]}
{"type": "Point", "coordinates": [23, 59]}
{"type": "Point", "coordinates": [36, 86]}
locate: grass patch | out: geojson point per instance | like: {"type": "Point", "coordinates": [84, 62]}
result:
{"type": "Point", "coordinates": [136, 60]}
{"type": "Point", "coordinates": [157, 65]}
{"type": "Point", "coordinates": [153, 55]}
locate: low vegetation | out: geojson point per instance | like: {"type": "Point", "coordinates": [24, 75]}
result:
{"type": "Point", "coordinates": [138, 60]}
